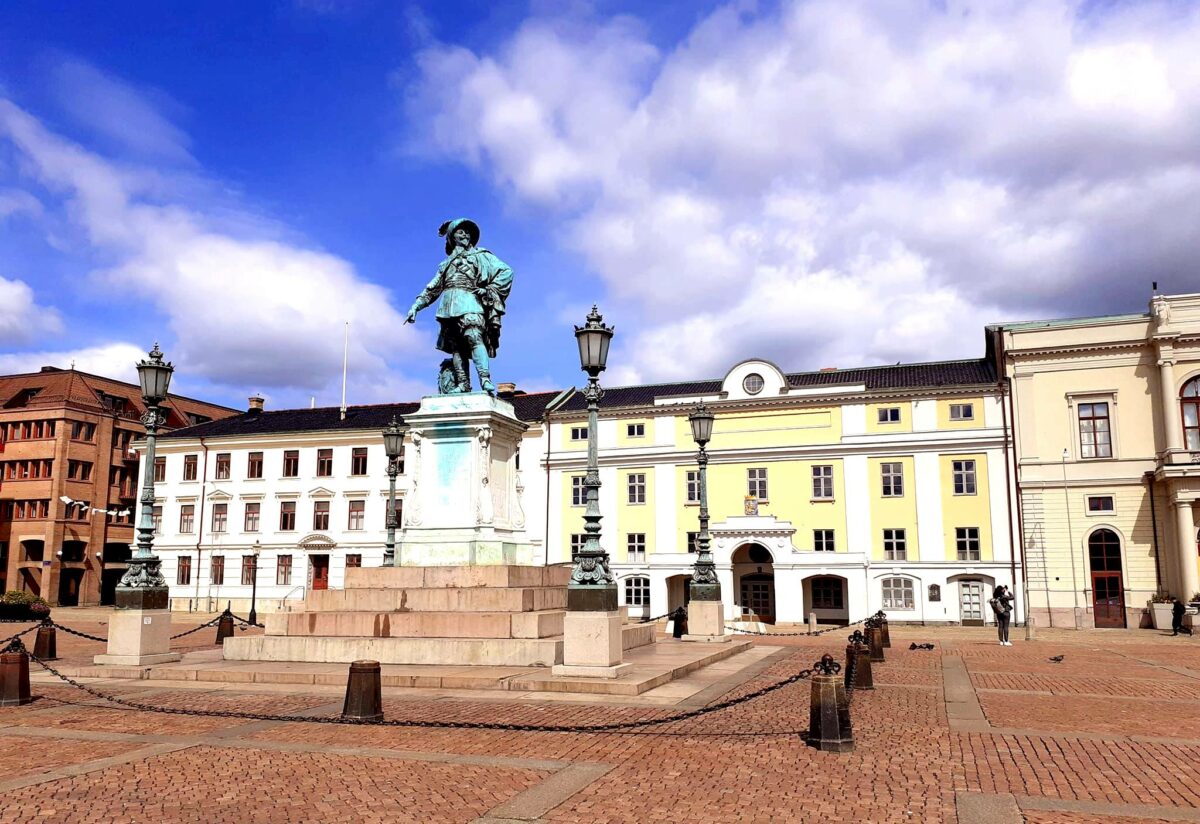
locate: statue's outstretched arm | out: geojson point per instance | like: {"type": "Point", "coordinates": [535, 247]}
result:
{"type": "Point", "coordinates": [428, 295]}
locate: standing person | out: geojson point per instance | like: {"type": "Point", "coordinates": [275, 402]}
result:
{"type": "Point", "coordinates": [1001, 604]}
{"type": "Point", "coordinates": [1177, 611]}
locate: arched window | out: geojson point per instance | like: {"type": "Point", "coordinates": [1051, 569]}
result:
{"type": "Point", "coordinates": [1189, 400]}
{"type": "Point", "coordinates": [637, 591]}
{"type": "Point", "coordinates": [1104, 551]}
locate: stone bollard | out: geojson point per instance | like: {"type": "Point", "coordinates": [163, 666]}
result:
{"type": "Point", "coordinates": [883, 627]}
{"type": "Point", "coordinates": [858, 652]}
{"type": "Point", "coordinates": [1030, 634]}
{"type": "Point", "coordinates": [829, 711]}
{"type": "Point", "coordinates": [875, 642]}
{"type": "Point", "coordinates": [812, 623]}
{"type": "Point", "coordinates": [45, 646]}
{"type": "Point", "coordinates": [364, 695]}
{"type": "Point", "coordinates": [14, 675]}
{"type": "Point", "coordinates": [225, 626]}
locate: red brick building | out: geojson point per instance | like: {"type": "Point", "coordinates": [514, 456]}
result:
{"type": "Point", "coordinates": [65, 465]}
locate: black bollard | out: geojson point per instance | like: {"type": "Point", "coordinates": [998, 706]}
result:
{"type": "Point", "coordinates": [883, 627]}
{"type": "Point", "coordinates": [863, 679]}
{"type": "Point", "coordinates": [829, 710]}
{"type": "Point", "coordinates": [875, 642]}
{"type": "Point", "coordinates": [14, 675]}
{"type": "Point", "coordinates": [225, 626]}
{"type": "Point", "coordinates": [45, 646]}
{"type": "Point", "coordinates": [364, 695]}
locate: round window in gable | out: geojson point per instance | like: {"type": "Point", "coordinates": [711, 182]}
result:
{"type": "Point", "coordinates": [752, 383]}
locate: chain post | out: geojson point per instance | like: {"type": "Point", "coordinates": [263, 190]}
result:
{"type": "Point", "coordinates": [45, 645]}
{"type": "Point", "coordinates": [224, 626]}
{"type": "Point", "coordinates": [364, 696]}
{"type": "Point", "coordinates": [14, 675]}
{"type": "Point", "coordinates": [829, 709]}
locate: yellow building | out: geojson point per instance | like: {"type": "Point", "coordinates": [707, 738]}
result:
{"type": "Point", "coordinates": [1107, 432]}
{"type": "Point", "coordinates": [834, 493]}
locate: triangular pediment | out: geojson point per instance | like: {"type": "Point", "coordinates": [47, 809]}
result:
{"type": "Point", "coordinates": [219, 495]}
{"type": "Point", "coordinates": [320, 492]}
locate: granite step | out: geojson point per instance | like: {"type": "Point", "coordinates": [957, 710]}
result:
{"type": "Point", "coordinates": [440, 599]}
{"type": "Point", "coordinates": [497, 652]}
{"type": "Point", "coordinates": [543, 624]}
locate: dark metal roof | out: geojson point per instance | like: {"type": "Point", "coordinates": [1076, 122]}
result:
{"type": "Point", "coordinates": [329, 419]}
{"type": "Point", "coordinates": [938, 374]}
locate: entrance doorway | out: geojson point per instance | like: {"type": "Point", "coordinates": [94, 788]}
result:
{"type": "Point", "coordinates": [319, 571]}
{"type": "Point", "coordinates": [970, 595]}
{"type": "Point", "coordinates": [1108, 595]}
{"type": "Point", "coordinates": [755, 575]}
{"type": "Point", "coordinates": [69, 582]}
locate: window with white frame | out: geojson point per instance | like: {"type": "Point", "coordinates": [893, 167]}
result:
{"type": "Point", "coordinates": [358, 511]}
{"type": "Point", "coordinates": [156, 519]}
{"type": "Point", "coordinates": [283, 570]}
{"type": "Point", "coordinates": [187, 513]}
{"type": "Point", "coordinates": [827, 593]}
{"type": "Point", "coordinates": [895, 545]}
{"type": "Point", "coordinates": [823, 540]}
{"type": "Point", "coordinates": [692, 542]}
{"type": "Point", "coordinates": [251, 518]}
{"type": "Point", "coordinates": [1095, 431]}
{"type": "Point", "coordinates": [889, 414]}
{"type": "Point", "coordinates": [756, 483]}
{"type": "Point", "coordinates": [637, 487]}
{"type": "Point", "coordinates": [220, 517]}
{"type": "Point", "coordinates": [578, 491]}
{"type": "Point", "coordinates": [578, 539]}
{"type": "Point", "coordinates": [635, 430]}
{"type": "Point", "coordinates": [1100, 503]}
{"type": "Point", "coordinates": [897, 593]}
{"type": "Point", "coordinates": [822, 483]}
{"type": "Point", "coordinates": [964, 477]}
{"type": "Point", "coordinates": [579, 433]}
{"type": "Point", "coordinates": [893, 479]}
{"type": "Point", "coordinates": [637, 591]}
{"type": "Point", "coordinates": [693, 486]}
{"type": "Point", "coordinates": [183, 572]}
{"type": "Point", "coordinates": [635, 546]}
{"type": "Point", "coordinates": [966, 540]}
{"type": "Point", "coordinates": [216, 570]}
{"type": "Point", "coordinates": [962, 411]}
{"type": "Point", "coordinates": [249, 569]}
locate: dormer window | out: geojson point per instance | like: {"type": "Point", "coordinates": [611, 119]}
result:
{"type": "Point", "coordinates": [753, 383]}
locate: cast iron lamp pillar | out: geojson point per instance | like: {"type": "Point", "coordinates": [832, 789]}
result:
{"type": "Point", "coordinates": [592, 587]}
{"type": "Point", "coordinates": [704, 585]}
{"type": "Point", "coordinates": [393, 445]}
{"type": "Point", "coordinates": [253, 616]}
{"type": "Point", "coordinates": [143, 586]}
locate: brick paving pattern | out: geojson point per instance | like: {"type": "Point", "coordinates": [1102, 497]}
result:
{"type": "Point", "coordinates": [1059, 733]}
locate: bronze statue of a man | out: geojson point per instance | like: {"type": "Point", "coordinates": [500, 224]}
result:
{"type": "Point", "coordinates": [473, 285]}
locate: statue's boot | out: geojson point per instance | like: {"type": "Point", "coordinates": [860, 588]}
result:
{"type": "Point", "coordinates": [480, 356]}
{"type": "Point", "coordinates": [462, 376]}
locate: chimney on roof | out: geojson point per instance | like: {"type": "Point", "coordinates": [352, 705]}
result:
{"type": "Point", "coordinates": [50, 369]}
{"type": "Point", "coordinates": [828, 368]}
{"type": "Point", "coordinates": [256, 403]}
{"type": "Point", "coordinates": [506, 390]}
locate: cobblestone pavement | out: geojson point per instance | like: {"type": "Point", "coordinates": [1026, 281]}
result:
{"type": "Point", "coordinates": [968, 732]}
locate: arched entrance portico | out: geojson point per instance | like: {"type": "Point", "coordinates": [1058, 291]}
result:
{"type": "Point", "coordinates": [754, 582]}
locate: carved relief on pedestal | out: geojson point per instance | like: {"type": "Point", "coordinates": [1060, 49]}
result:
{"type": "Point", "coordinates": [518, 509]}
{"type": "Point", "coordinates": [412, 512]}
{"type": "Point", "coordinates": [484, 511]}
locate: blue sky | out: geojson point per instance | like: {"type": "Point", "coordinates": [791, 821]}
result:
{"type": "Point", "coordinates": [818, 183]}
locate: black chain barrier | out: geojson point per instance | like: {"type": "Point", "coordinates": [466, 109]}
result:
{"type": "Point", "coordinates": [8, 641]}
{"type": "Point", "coordinates": [70, 631]}
{"type": "Point", "coordinates": [245, 622]}
{"type": "Point", "coordinates": [657, 617]}
{"type": "Point", "coordinates": [205, 625]}
{"type": "Point", "coordinates": [16, 646]}
{"type": "Point", "coordinates": [798, 634]}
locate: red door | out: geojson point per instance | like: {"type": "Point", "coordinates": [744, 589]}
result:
{"type": "Point", "coordinates": [320, 571]}
{"type": "Point", "coordinates": [1108, 602]}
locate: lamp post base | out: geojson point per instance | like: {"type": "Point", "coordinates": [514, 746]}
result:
{"type": "Point", "coordinates": [706, 621]}
{"type": "Point", "coordinates": [138, 637]}
{"type": "Point", "coordinates": [592, 645]}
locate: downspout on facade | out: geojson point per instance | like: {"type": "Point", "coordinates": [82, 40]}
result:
{"type": "Point", "coordinates": [200, 516]}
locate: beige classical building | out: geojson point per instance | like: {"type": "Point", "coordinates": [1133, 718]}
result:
{"type": "Point", "coordinates": [1107, 443]}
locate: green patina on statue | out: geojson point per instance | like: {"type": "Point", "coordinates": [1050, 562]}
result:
{"type": "Point", "coordinates": [473, 285]}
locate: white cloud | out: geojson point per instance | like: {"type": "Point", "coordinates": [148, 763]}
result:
{"type": "Point", "coordinates": [22, 319]}
{"type": "Point", "coordinates": [113, 360]}
{"type": "Point", "coordinates": [247, 306]}
{"type": "Point", "coordinates": [843, 181]}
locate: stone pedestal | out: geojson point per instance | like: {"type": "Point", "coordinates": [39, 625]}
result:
{"type": "Point", "coordinates": [139, 637]}
{"type": "Point", "coordinates": [592, 645]}
{"type": "Point", "coordinates": [462, 507]}
{"type": "Point", "coordinates": [706, 622]}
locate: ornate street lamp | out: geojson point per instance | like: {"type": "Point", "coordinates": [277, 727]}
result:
{"type": "Point", "coordinates": [592, 587]}
{"type": "Point", "coordinates": [253, 616]}
{"type": "Point", "coordinates": [704, 585]}
{"type": "Point", "coordinates": [143, 586]}
{"type": "Point", "coordinates": [393, 445]}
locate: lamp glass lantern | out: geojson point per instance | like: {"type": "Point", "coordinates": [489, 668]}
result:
{"type": "Point", "coordinates": [593, 339]}
{"type": "Point", "coordinates": [393, 439]}
{"type": "Point", "coordinates": [154, 375]}
{"type": "Point", "coordinates": [702, 424]}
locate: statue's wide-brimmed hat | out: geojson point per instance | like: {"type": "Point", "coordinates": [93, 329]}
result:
{"type": "Point", "coordinates": [448, 228]}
